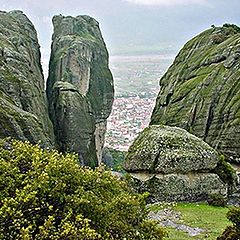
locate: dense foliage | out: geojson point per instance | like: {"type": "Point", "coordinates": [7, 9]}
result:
{"type": "Point", "coordinates": [216, 200]}
{"type": "Point", "coordinates": [114, 159]}
{"type": "Point", "coordinates": [47, 195]}
{"type": "Point", "coordinates": [232, 26]}
{"type": "Point", "coordinates": [225, 171]}
{"type": "Point", "coordinates": [232, 232]}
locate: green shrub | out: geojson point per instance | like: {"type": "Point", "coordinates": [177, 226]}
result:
{"type": "Point", "coordinates": [216, 200]}
{"type": "Point", "coordinates": [234, 216]}
{"type": "Point", "coordinates": [114, 159]}
{"type": "Point", "coordinates": [232, 232]}
{"type": "Point", "coordinates": [225, 171]}
{"type": "Point", "coordinates": [234, 27]}
{"type": "Point", "coordinates": [47, 195]}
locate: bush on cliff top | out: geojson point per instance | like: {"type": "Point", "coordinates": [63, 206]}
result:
{"type": "Point", "coordinates": [46, 195]}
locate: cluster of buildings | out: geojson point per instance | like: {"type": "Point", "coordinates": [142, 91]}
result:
{"type": "Point", "coordinates": [136, 82]}
{"type": "Point", "coordinates": [130, 115]}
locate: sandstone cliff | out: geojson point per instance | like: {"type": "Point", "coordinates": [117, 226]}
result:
{"type": "Point", "coordinates": [80, 59]}
{"type": "Point", "coordinates": [200, 91]}
{"type": "Point", "coordinates": [23, 105]}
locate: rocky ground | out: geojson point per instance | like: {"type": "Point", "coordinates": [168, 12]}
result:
{"type": "Point", "coordinates": [171, 218]}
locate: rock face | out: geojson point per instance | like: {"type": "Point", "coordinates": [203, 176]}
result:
{"type": "Point", "coordinates": [200, 91]}
{"type": "Point", "coordinates": [23, 105]}
{"type": "Point", "coordinates": [173, 165]}
{"type": "Point", "coordinates": [79, 58]}
{"type": "Point", "coordinates": [74, 123]}
{"type": "Point", "coordinates": [79, 87]}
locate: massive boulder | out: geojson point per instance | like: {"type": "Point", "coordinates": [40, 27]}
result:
{"type": "Point", "coordinates": [200, 91]}
{"type": "Point", "coordinates": [173, 165]}
{"type": "Point", "coordinates": [79, 58]}
{"type": "Point", "coordinates": [23, 105]}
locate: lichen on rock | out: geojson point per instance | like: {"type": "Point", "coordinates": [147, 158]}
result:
{"type": "Point", "coordinates": [200, 91]}
{"type": "Point", "coordinates": [74, 123]}
{"type": "Point", "coordinates": [23, 105]}
{"type": "Point", "coordinates": [80, 58]}
{"type": "Point", "coordinates": [79, 86]}
{"type": "Point", "coordinates": [173, 165]}
{"type": "Point", "coordinates": [164, 149]}
{"type": "Point", "coordinates": [180, 187]}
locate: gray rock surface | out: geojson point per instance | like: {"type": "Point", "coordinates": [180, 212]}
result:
{"type": "Point", "coordinates": [79, 57]}
{"type": "Point", "coordinates": [74, 123]}
{"type": "Point", "coordinates": [23, 105]}
{"type": "Point", "coordinates": [173, 165]}
{"type": "Point", "coordinates": [200, 91]}
{"type": "Point", "coordinates": [192, 187]}
{"type": "Point", "coordinates": [79, 87]}
{"type": "Point", "coordinates": [164, 149]}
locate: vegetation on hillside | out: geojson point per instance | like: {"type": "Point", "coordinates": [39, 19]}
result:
{"type": "Point", "coordinates": [114, 159]}
{"type": "Point", "coordinates": [47, 195]}
{"type": "Point", "coordinates": [225, 171]}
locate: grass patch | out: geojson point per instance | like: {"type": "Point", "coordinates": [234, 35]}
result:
{"type": "Point", "coordinates": [211, 218]}
{"type": "Point", "coordinates": [174, 234]}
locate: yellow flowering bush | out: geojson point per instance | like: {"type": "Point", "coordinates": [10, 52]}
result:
{"type": "Point", "coordinates": [47, 195]}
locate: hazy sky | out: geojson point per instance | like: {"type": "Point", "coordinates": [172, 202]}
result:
{"type": "Point", "coordinates": [133, 25]}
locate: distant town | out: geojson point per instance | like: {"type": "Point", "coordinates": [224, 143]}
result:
{"type": "Point", "coordinates": [129, 117]}
{"type": "Point", "coordinates": [136, 80]}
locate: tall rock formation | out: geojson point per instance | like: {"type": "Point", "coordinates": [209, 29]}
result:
{"type": "Point", "coordinates": [23, 106]}
{"type": "Point", "coordinates": [201, 90]}
{"type": "Point", "coordinates": [79, 86]}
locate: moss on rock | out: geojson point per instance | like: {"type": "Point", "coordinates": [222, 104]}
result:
{"type": "Point", "coordinates": [164, 149]}
{"type": "Point", "coordinates": [200, 91]}
{"type": "Point", "coordinates": [174, 165]}
{"type": "Point", "coordinates": [74, 123]}
{"type": "Point", "coordinates": [23, 105]}
{"type": "Point", "coordinates": [79, 57]}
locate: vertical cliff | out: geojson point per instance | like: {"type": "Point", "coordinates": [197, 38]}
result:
{"type": "Point", "coordinates": [74, 124]}
{"type": "Point", "coordinates": [23, 106]}
{"type": "Point", "coordinates": [201, 90]}
{"type": "Point", "coordinates": [79, 60]}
